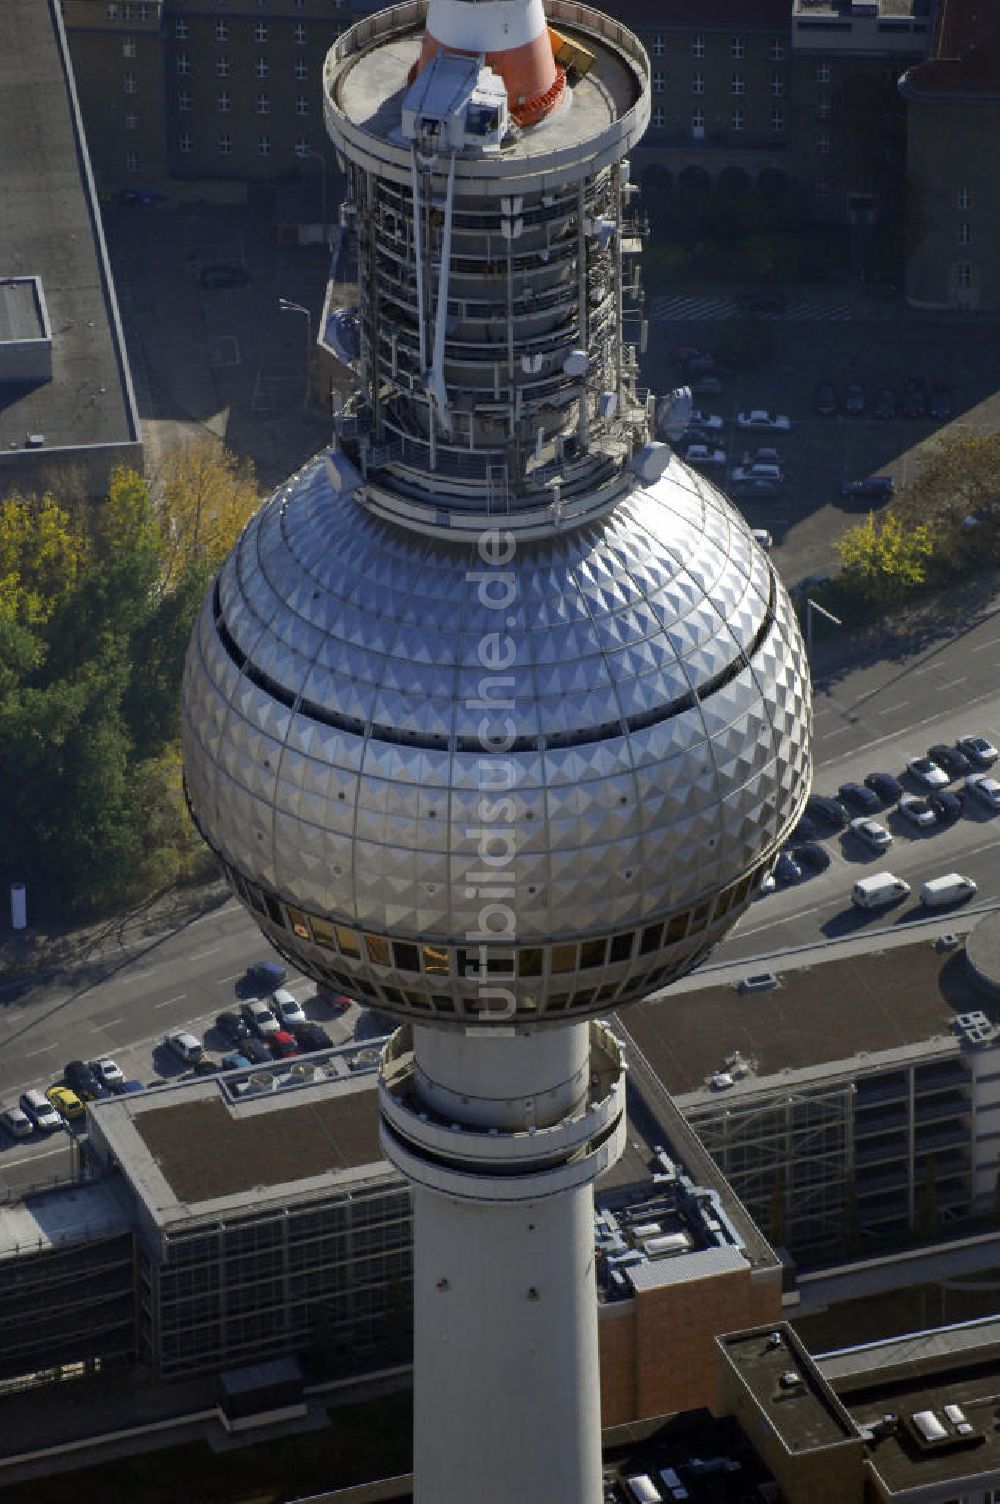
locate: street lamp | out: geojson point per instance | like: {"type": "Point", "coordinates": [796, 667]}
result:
{"type": "Point", "coordinates": [811, 607]}
{"type": "Point", "coordinates": [287, 306]}
{"type": "Point", "coordinates": [310, 151]}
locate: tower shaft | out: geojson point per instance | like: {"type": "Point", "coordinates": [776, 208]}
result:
{"type": "Point", "coordinates": [502, 1138]}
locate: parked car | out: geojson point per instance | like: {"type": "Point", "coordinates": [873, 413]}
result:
{"type": "Point", "coordinates": [854, 398]}
{"type": "Point", "coordinates": [876, 486]}
{"type": "Point", "coordinates": [109, 1073]}
{"type": "Point", "coordinates": [826, 399]}
{"type": "Point", "coordinates": [946, 805]}
{"type": "Point", "coordinates": [885, 403]}
{"type": "Point", "coordinates": [926, 771]}
{"type": "Point", "coordinates": [771, 473]}
{"type": "Point", "coordinates": [885, 785]}
{"type": "Point", "coordinates": [755, 486]}
{"type": "Point", "coordinates": [235, 1060]}
{"type": "Point", "coordinates": [787, 869]}
{"type": "Point", "coordinates": [184, 1045]}
{"type": "Point", "coordinates": [232, 1027]}
{"type": "Point", "coordinates": [282, 1044]}
{"type": "Point", "coordinates": [339, 1002]}
{"type": "Point", "coordinates": [861, 797]}
{"type": "Point", "coordinates": [65, 1102]}
{"type": "Point", "coordinates": [981, 751]}
{"type": "Point", "coordinates": [762, 417]}
{"type": "Point", "coordinates": [206, 1067]}
{"type": "Point", "coordinates": [811, 857]}
{"type": "Point", "coordinates": [266, 975]}
{"type": "Point", "coordinates": [16, 1122]}
{"type": "Point", "coordinates": [710, 422]}
{"type": "Point", "coordinates": [762, 455]}
{"type": "Point", "coordinates": [82, 1080]}
{"type": "Point", "coordinates": [917, 811]}
{"type": "Point", "coordinates": [954, 761]}
{"type": "Point", "coordinates": [830, 811]}
{"type": "Point", "coordinates": [131, 1085]}
{"type": "Point", "coordinates": [705, 458]}
{"type": "Point", "coordinates": [870, 833]}
{"type": "Point", "coordinates": [41, 1112]}
{"type": "Point", "coordinates": [984, 788]}
{"type": "Point", "coordinates": [259, 1018]}
{"type": "Point", "coordinates": [286, 1008]}
{"type": "Point", "coordinates": [311, 1036]}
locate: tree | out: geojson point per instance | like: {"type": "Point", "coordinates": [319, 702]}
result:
{"type": "Point", "coordinates": [205, 496]}
{"type": "Point", "coordinates": [959, 479]}
{"type": "Point", "coordinates": [883, 559]}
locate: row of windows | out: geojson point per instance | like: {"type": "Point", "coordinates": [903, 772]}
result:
{"type": "Point", "coordinates": [737, 47]}
{"type": "Point", "coordinates": [737, 120]}
{"type": "Point", "coordinates": [261, 67]}
{"type": "Point", "coordinates": [536, 961]}
{"type": "Point", "coordinates": [737, 84]}
{"type": "Point", "coordinates": [224, 32]}
{"type": "Point", "coordinates": [224, 102]}
{"type": "Point", "coordinates": [224, 146]}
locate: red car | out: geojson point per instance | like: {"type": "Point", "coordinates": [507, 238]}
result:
{"type": "Point", "coordinates": [283, 1044]}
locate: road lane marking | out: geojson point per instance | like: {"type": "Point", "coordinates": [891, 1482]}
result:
{"type": "Point", "coordinates": [221, 981]}
{"type": "Point", "coordinates": [45, 1154]}
{"type": "Point", "coordinates": [981, 647]}
{"type": "Point", "coordinates": [167, 1001]}
{"type": "Point", "coordinates": [201, 954]}
{"type": "Point", "coordinates": [43, 1051]}
{"type": "Point", "coordinates": [888, 709]}
{"type": "Point", "coordinates": [110, 1023]}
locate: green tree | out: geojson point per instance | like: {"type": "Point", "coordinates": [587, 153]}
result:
{"type": "Point", "coordinates": [959, 479]}
{"type": "Point", "coordinates": [883, 559]}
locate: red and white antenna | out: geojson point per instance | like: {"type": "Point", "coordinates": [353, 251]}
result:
{"type": "Point", "coordinates": [514, 37]}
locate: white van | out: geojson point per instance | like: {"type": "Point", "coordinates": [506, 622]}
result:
{"type": "Point", "coordinates": [643, 1490]}
{"type": "Point", "coordinates": [951, 888]}
{"type": "Point", "coordinates": [877, 891]}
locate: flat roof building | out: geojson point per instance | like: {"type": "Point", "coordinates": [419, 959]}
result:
{"type": "Point", "coordinates": [66, 399]}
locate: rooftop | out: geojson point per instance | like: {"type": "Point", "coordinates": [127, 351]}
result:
{"type": "Point", "coordinates": [828, 1009]}
{"type": "Point", "coordinates": [50, 228]}
{"type": "Point", "coordinates": [798, 1404]}
{"type": "Point", "coordinates": [924, 1371]}
{"type": "Point", "coordinates": [197, 1148]}
{"type": "Point", "coordinates": [965, 54]}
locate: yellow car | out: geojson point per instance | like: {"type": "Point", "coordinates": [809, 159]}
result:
{"type": "Point", "coordinates": [65, 1101]}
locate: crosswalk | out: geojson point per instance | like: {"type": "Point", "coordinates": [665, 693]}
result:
{"type": "Point", "coordinates": [716, 308]}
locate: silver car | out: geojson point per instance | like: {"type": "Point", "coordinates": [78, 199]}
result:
{"type": "Point", "coordinates": [985, 789]}
{"type": "Point", "coordinates": [871, 833]}
{"type": "Point", "coordinates": [926, 771]}
{"type": "Point", "coordinates": [16, 1121]}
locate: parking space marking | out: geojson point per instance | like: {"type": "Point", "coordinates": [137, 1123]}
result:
{"type": "Point", "coordinates": [889, 709]}
{"type": "Point", "coordinates": [43, 1051]}
{"type": "Point", "coordinates": [111, 1023]}
{"type": "Point", "coordinates": [981, 647]}
{"type": "Point", "coordinates": [201, 954]}
{"type": "Point", "coordinates": [221, 981]}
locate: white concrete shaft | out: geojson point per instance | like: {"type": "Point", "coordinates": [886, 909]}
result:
{"type": "Point", "coordinates": [530, 1078]}
{"type": "Point", "coordinates": [487, 26]}
{"type": "Point", "coordinates": [506, 1375]}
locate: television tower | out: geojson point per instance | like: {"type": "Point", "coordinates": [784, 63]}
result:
{"type": "Point", "coordinates": [496, 715]}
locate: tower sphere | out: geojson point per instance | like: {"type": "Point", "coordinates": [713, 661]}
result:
{"type": "Point", "coordinates": [580, 748]}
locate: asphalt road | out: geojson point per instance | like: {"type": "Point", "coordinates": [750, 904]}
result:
{"type": "Point", "coordinates": [875, 715]}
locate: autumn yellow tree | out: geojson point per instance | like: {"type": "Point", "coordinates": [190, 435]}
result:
{"type": "Point", "coordinates": [205, 495]}
{"type": "Point", "coordinates": [41, 553]}
{"type": "Point", "coordinates": [885, 559]}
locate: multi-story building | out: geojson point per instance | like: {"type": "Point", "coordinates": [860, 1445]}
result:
{"type": "Point", "coordinates": [251, 1216]}
{"type": "Point", "coordinates": [953, 167]}
{"type": "Point", "coordinates": [203, 88]}
{"type": "Point", "coordinates": [838, 1123]}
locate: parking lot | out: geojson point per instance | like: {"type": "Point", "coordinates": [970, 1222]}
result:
{"type": "Point", "coordinates": [836, 339]}
{"type": "Point", "coordinates": [214, 352]}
